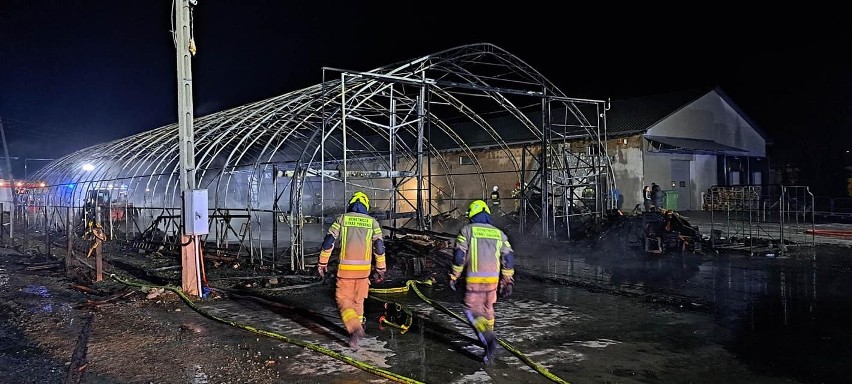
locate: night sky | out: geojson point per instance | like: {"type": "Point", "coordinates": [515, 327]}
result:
{"type": "Point", "coordinates": [76, 73]}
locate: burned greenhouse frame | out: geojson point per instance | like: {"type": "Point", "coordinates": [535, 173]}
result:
{"type": "Point", "coordinates": [276, 169]}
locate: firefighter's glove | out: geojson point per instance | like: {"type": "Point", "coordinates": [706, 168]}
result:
{"type": "Point", "coordinates": [452, 282]}
{"type": "Point", "coordinates": [506, 285]}
{"type": "Point", "coordinates": [322, 269]}
{"type": "Point", "coordinates": [380, 276]}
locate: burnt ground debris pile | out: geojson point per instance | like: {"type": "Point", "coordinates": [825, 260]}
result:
{"type": "Point", "coordinates": [60, 327]}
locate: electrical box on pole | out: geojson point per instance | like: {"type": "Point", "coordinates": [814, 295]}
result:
{"type": "Point", "coordinates": [195, 212]}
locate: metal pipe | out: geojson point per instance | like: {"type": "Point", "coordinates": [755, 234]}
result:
{"type": "Point", "coordinates": [420, 127]}
{"type": "Point", "coordinates": [392, 153]}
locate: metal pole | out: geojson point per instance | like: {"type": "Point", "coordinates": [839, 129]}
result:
{"type": "Point", "coordinates": [523, 193]}
{"type": "Point", "coordinates": [46, 228]}
{"type": "Point", "coordinates": [421, 225]}
{"type": "Point", "coordinates": [427, 128]}
{"type": "Point", "coordinates": [274, 213]}
{"type": "Point", "coordinates": [185, 47]}
{"type": "Point", "coordinates": [109, 213]}
{"type": "Point", "coordinates": [392, 159]}
{"type": "Point", "coordinates": [69, 233]}
{"type": "Point", "coordinates": [12, 191]}
{"type": "Point", "coordinates": [545, 172]}
{"type": "Point", "coordinates": [343, 127]}
{"type": "Point", "coordinates": [99, 258]}
{"type": "Point", "coordinates": [126, 218]}
{"type": "Point", "coordinates": [26, 215]}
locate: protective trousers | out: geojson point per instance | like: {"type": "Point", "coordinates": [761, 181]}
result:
{"type": "Point", "coordinates": [350, 295]}
{"type": "Point", "coordinates": [480, 304]}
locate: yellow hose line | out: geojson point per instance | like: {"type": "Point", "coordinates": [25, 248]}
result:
{"type": "Point", "coordinates": [536, 366]}
{"type": "Point", "coordinates": [402, 289]}
{"type": "Point", "coordinates": [402, 327]}
{"type": "Point", "coordinates": [314, 347]}
{"type": "Point", "coordinates": [400, 308]}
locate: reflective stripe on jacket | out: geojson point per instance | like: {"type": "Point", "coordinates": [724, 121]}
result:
{"type": "Point", "coordinates": [485, 248]}
{"type": "Point", "coordinates": [356, 233]}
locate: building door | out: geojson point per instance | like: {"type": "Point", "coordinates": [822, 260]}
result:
{"type": "Point", "coordinates": [680, 184]}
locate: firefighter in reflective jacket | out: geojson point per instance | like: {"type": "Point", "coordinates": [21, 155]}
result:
{"type": "Point", "coordinates": [483, 252]}
{"type": "Point", "coordinates": [360, 238]}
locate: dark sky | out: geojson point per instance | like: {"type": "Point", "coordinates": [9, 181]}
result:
{"type": "Point", "coordinates": [75, 73]}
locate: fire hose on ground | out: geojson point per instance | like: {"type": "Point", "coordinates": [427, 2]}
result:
{"type": "Point", "coordinates": [314, 347]}
{"type": "Point", "coordinates": [409, 285]}
{"type": "Point", "coordinates": [412, 285]}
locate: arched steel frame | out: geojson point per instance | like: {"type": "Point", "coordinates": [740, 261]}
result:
{"type": "Point", "coordinates": [382, 131]}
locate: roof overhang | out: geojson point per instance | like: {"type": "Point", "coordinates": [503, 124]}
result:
{"type": "Point", "coordinates": [670, 144]}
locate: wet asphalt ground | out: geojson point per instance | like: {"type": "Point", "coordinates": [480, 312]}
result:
{"type": "Point", "coordinates": [589, 315]}
{"type": "Point", "coordinates": [590, 312]}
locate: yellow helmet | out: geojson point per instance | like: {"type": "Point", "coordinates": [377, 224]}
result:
{"type": "Point", "coordinates": [362, 198]}
{"type": "Point", "coordinates": [477, 206]}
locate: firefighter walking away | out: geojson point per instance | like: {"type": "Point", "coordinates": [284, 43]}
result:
{"type": "Point", "coordinates": [485, 256]}
{"type": "Point", "coordinates": [360, 237]}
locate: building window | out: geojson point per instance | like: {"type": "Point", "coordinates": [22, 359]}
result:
{"type": "Point", "coordinates": [466, 160]}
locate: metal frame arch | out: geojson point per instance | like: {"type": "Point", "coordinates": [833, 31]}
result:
{"type": "Point", "coordinates": [303, 128]}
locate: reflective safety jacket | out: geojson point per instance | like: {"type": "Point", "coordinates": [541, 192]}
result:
{"type": "Point", "coordinates": [495, 198]}
{"type": "Point", "coordinates": [357, 232]}
{"type": "Point", "coordinates": [485, 254]}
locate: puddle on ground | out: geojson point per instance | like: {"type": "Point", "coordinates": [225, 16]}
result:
{"type": "Point", "coordinates": [43, 305]}
{"type": "Point", "coordinates": [769, 320]}
{"type": "Point", "coordinates": [787, 317]}
{"type": "Point", "coordinates": [38, 290]}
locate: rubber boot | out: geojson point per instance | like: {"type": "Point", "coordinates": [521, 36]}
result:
{"type": "Point", "coordinates": [490, 346]}
{"type": "Point", "coordinates": [355, 337]}
{"type": "Point", "coordinates": [486, 337]}
{"type": "Point", "coordinates": [472, 322]}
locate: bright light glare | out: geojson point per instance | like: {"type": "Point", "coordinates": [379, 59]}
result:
{"type": "Point", "coordinates": [88, 167]}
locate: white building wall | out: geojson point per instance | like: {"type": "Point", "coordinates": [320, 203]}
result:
{"type": "Point", "coordinates": [703, 171]}
{"type": "Point", "coordinates": [658, 168]}
{"type": "Point", "coordinates": [627, 168]}
{"type": "Point", "coordinates": [712, 118]}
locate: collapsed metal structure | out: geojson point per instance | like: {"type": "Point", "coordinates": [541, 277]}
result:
{"type": "Point", "coordinates": [277, 168]}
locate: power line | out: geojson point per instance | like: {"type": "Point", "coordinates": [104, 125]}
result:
{"type": "Point", "coordinates": [41, 127]}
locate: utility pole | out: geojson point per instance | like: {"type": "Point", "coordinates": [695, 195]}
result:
{"type": "Point", "coordinates": [190, 246]}
{"type": "Point", "coordinates": [11, 182]}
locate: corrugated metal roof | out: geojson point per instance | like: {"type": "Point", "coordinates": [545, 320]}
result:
{"type": "Point", "coordinates": [634, 115]}
{"type": "Point", "coordinates": [638, 114]}
{"type": "Point", "coordinates": [690, 145]}
{"type": "Point", "coordinates": [627, 116]}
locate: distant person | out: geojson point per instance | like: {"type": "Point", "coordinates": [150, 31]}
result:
{"type": "Point", "coordinates": [617, 199]}
{"type": "Point", "coordinates": [516, 197]}
{"type": "Point", "coordinates": [360, 242]}
{"type": "Point", "coordinates": [495, 197]}
{"type": "Point", "coordinates": [483, 252]}
{"type": "Point", "coordinates": [588, 198]}
{"type": "Point", "coordinates": [646, 198]}
{"type": "Point", "coordinates": [495, 200]}
{"type": "Point", "coordinates": [439, 199]}
{"type": "Point", "coordinates": [657, 196]}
